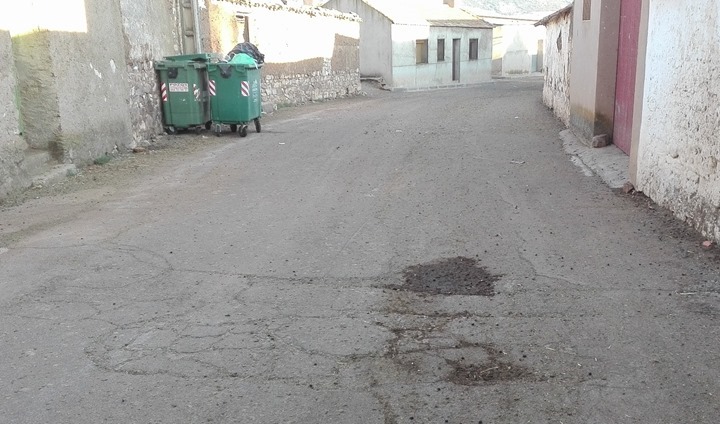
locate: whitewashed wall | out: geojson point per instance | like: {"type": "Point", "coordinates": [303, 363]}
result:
{"type": "Point", "coordinates": [556, 68]}
{"type": "Point", "coordinates": [517, 46]}
{"type": "Point", "coordinates": [679, 146]}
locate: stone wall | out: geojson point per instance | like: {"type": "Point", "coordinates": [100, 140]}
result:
{"type": "Point", "coordinates": [12, 146]}
{"type": "Point", "coordinates": [679, 143]}
{"type": "Point", "coordinates": [556, 68]}
{"type": "Point", "coordinates": [315, 55]}
{"type": "Point", "coordinates": [151, 32]}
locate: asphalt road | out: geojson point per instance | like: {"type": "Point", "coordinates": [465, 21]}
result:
{"type": "Point", "coordinates": [429, 257]}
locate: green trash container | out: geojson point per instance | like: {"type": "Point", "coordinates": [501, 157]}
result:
{"type": "Point", "coordinates": [235, 98]}
{"type": "Point", "coordinates": [195, 57]}
{"type": "Point", "coordinates": [183, 91]}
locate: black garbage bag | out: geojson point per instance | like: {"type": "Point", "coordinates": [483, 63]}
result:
{"type": "Point", "coordinates": [249, 49]}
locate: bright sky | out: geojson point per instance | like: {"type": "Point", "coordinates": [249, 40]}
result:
{"type": "Point", "coordinates": [27, 16]}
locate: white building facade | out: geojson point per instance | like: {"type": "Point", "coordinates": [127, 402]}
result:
{"type": "Point", "coordinates": [423, 44]}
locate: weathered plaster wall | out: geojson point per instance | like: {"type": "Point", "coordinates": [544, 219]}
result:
{"type": "Point", "coordinates": [583, 62]}
{"type": "Point", "coordinates": [407, 74]}
{"type": "Point", "coordinates": [150, 30]}
{"type": "Point", "coordinates": [225, 28]}
{"type": "Point", "coordinates": [375, 36]}
{"type": "Point", "coordinates": [72, 78]}
{"type": "Point", "coordinates": [607, 66]}
{"type": "Point", "coordinates": [37, 89]}
{"type": "Point", "coordinates": [556, 70]}
{"type": "Point", "coordinates": [92, 87]}
{"type": "Point", "coordinates": [317, 59]}
{"type": "Point", "coordinates": [639, 91]}
{"type": "Point", "coordinates": [593, 63]}
{"type": "Point", "coordinates": [12, 146]}
{"type": "Point", "coordinates": [679, 146]}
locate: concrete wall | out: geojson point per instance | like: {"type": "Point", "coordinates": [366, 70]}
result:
{"type": "Point", "coordinates": [12, 146]}
{"type": "Point", "coordinates": [556, 69]}
{"type": "Point", "coordinates": [375, 36]}
{"type": "Point", "coordinates": [679, 148]}
{"type": "Point", "coordinates": [151, 32]}
{"type": "Point", "coordinates": [407, 74]}
{"type": "Point", "coordinates": [317, 59]}
{"type": "Point", "coordinates": [593, 62]}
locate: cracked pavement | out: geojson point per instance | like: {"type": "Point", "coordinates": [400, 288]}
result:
{"type": "Point", "coordinates": [262, 279]}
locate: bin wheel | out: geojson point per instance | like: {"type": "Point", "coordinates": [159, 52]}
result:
{"type": "Point", "coordinates": [208, 125]}
{"type": "Point", "coordinates": [233, 127]}
{"type": "Point", "coordinates": [217, 130]}
{"type": "Point", "coordinates": [197, 129]}
{"type": "Point", "coordinates": [258, 127]}
{"type": "Point", "coordinates": [243, 131]}
{"type": "Point", "coordinates": [171, 130]}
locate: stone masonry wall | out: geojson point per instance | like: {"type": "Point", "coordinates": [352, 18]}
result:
{"type": "Point", "coordinates": [281, 89]}
{"type": "Point", "coordinates": [151, 32]}
{"type": "Point", "coordinates": [315, 57]}
{"type": "Point", "coordinates": [556, 69]}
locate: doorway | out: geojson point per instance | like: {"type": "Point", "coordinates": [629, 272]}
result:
{"type": "Point", "coordinates": [630, 11]}
{"type": "Point", "coordinates": [456, 60]}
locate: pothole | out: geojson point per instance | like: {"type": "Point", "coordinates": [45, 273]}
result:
{"type": "Point", "coordinates": [454, 276]}
{"type": "Point", "coordinates": [494, 370]}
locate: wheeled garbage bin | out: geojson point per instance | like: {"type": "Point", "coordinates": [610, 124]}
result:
{"type": "Point", "coordinates": [235, 98]}
{"type": "Point", "coordinates": [183, 92]}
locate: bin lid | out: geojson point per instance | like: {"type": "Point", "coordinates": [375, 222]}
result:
{"type": "Point", "coordinates": [195, 57]}
{"type": "Point", "coordinates": [172, 64]}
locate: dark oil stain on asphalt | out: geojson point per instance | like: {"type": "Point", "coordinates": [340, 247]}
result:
{"type": "Point", "coordinates": [453, 276]}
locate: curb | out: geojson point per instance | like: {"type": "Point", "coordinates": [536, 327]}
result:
{"type": "Point", "coordinates": [609, 163]}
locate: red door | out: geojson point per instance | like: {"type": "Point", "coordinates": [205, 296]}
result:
{"type": "Point", "coordinates": [625, 80]}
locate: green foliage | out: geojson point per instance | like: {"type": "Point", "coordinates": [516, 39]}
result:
{"type": "Point", "coordinates": [102, 160]}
